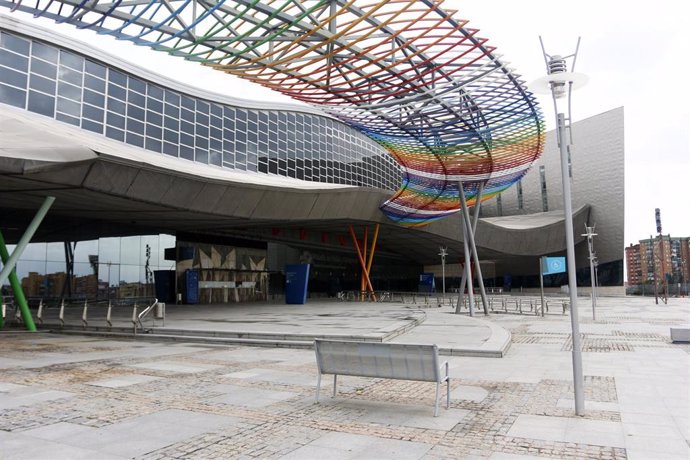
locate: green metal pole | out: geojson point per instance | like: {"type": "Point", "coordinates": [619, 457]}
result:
{"type": "Point", "coordinates": [10, 263]}
{"type": "Point", "coordinates": [17, 288]}
{"type": "Point", "coordinates": [25, 239]}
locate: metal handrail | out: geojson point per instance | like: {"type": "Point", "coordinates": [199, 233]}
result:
{"type": "Point", "coordinates": [143, 314]}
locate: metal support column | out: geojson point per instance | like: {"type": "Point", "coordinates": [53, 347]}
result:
{"type": "Point", "coordinates": [362, 262]}
{"type": "Point", "coordinates": [17, 289]}
{"type": "Point", "coordinates": [467, 273]}
{"type": "Point", "coordinates": [467, 276]}
{"type": "Point", "coordinates": [373, 248]}
{"type": "Point", "coordinates": [362, 278]}
{"type": "Point", "coordinates": [10, 262]}
{"type": "Point", "coordinates": [25, 239]}
{"type": "Point", "coordinates": [461, 294]}
{"type": "Point", "coordinates": [473, 247]}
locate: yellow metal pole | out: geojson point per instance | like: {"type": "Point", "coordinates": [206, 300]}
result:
{"type": "Point", "coordinates": [373, 248]}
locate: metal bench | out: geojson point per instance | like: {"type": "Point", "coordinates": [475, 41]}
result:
{"type": "Point", "coordinates": [382, 360]}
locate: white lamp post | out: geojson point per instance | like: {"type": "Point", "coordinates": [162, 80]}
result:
{"type": "Point", "coordinates": [443, 253]}
{"type": "Point", "coordinates": [560, 83]}
{"type": "Point", "coordinates": [590, 235]}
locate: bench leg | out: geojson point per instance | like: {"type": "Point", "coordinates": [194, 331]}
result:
{"type": "Point", "coordinates": [318, 387]}
{"type": "Point", "coordinates": [448, 393]}
{"type": "Point", "coordinates": [335, 384]}
{"type": "Point", "coordinates": [447, 384]}
{"type": "Point", "coordinates": [438, 387]}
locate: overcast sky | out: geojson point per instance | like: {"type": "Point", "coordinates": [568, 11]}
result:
{"type": "Point", "coordinates": [635, 54]}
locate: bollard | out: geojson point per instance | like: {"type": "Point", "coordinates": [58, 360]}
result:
{"type": "Point", "coordinates": [160, 310]}
{"type": "Point", "coordinates": [108, 315]}
{"type": "Point", "coordinates": [135, 318]}
{"type": "Point", "coordinates": [39, 313]}
{"type": "Point", "coordinates": [61, 316]}
{"type": "Point", "coordinates": [84, 315]}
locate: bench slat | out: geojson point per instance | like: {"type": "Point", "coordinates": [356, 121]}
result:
{"type": "Point", "coordinates": [394, 361]}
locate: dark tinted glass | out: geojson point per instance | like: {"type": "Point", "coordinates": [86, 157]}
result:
{"type": "Point", "coordinates": [71, 60]}
{"type": "Point", "coordinates": [14, 43]}
{"type": "Point", "coordinates": [43, 68]}
{"type": "Point", "coordinates": [95, 69]}
{"type": "Point", "coordinates": [12, 96]}
{"type": "Point", "coordinates": [13, 78]}
{"type": "Point", "coordinates": [13, 61]}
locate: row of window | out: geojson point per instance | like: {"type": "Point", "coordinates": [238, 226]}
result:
{"type": "Point", "coordinates": [60, 84]}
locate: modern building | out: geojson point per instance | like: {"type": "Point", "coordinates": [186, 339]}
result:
{"type": "Point", "coordinates": [633, 262]}
{"type": "Point", "coordinates": [655, 258]}
{"type": "Point", "coordinates": [151, 175]}
{"type": "Point", "coordinates": [597, 182]}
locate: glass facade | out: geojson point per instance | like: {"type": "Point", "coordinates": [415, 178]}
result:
{"type": "Point", "coordinates": [98, 97]}
{"type": "Point", "coordinates": [107, 268]}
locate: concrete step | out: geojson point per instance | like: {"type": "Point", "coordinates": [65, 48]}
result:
{"type": "Point", "coordinates": [270, 342]}
{"type": "Point", "coordinates": [155, 337]}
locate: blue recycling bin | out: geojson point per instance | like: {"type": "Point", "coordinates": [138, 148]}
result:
{"type": "Point", "coordinates": [296, 281]}
{"type": "Point", "coordinates": [191, 285]}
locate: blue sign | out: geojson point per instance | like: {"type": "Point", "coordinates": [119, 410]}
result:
{"type": "Point", "coordinates": [426, 282]}
{"type": "Point", "coordinates": [296, 280]}
{"type": "Point", "coordinates": [551, 265]}
{"type": "Point", "coordinates": [507, 281]}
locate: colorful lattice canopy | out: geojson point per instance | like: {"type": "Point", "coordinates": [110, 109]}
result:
{"type": "Point", "coordinates": [406, 73]}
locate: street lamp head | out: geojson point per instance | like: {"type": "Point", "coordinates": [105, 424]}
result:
{"type": "Point", "coordinates": [558, 83]}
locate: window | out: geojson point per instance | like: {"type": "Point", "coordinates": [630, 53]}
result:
{"type": "Point", "coordinates": [95, 69]}
{"type": "Point", "coordinates": [41, 103]}
{"type": "Point", "coordinates": [71, 60]}
{"type": "Point", "coordinates": [544, 198]}
{"type": "Point", "coordinates": [13, 78]}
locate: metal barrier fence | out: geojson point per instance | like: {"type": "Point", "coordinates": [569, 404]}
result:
{"type": "Point", "coordinates": [498, 302]}
{"type": "Point", "coordinates": [674, 290]}
{"type": "Point", "coordinates": [62, 312]}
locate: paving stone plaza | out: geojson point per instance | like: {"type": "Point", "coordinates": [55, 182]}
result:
{"type": "Point", "coordinates": [65, 396]}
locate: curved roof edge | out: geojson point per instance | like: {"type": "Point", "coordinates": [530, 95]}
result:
{"type": "Point", "coordinates": [50, 36]}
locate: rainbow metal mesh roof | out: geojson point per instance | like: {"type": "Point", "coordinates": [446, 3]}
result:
{"type": "Point", "coordinates": [405, 73]}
